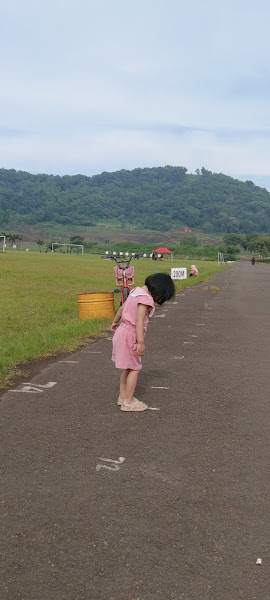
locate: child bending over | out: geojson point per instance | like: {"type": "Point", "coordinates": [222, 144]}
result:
{"type": "Point", "coordinates": [128, 340]}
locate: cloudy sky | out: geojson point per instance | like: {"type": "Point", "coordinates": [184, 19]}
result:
{"type": "Point", "coordinates": [101, 85]}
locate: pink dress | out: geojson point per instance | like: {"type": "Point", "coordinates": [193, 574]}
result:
{"type": "Point", "coordinates": [124, 340]}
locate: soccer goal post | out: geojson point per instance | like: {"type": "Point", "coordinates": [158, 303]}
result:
{"type": "Point", "coordinates": [220, 258]}
{"type": "Point", "coordinates": [3, 242]}
{"type": "Point", "coordinates": [68, 247]}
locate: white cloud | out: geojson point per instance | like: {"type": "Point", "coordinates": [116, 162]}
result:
{"type": "Point", "coordinates": [91, 85]}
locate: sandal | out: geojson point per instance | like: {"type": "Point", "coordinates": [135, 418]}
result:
{"type": "Point", "coordinates": [120, 402]}
{"type": "Point", "coordinates": [136, 406]}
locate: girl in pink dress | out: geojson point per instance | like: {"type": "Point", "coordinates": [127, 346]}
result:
{"type": "Point", "coordinates": [128, 340]}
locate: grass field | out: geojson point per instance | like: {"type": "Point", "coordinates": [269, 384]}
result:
{"type": "Point", "coordinates": [39, 307]}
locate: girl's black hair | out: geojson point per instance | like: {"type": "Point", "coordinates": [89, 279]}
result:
{"type": "Point", "coordinates": [160, 286]}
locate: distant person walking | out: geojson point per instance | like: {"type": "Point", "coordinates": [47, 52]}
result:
{"type": "Point", "coordinates": [128, 340]}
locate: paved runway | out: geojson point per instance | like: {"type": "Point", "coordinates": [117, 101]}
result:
{"type": "Point", "coordinates": [173, 503]}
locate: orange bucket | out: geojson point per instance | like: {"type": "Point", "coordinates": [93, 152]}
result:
{"type": "Point", "coordinates": [93, 306]}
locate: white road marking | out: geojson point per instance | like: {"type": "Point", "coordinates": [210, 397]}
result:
{"type": "Point", "coordinates": [177, 357]}
{"type": "Point", "coordinates": [161, 387]}
{"type": "Point", "coordinates": [188, 342]}
{"type": "Point", "coordinates": [116, 464]}
{"type": "Point", "coordinates": [199, 323]}
{"type": "Point", "coordinates": [46, 385]}
{"type": "Point", "coordinates": [159, 316]}
{"type": "Point", "coordinates": [34, 388]}
{"type": "Point", "coordinates": [28, 389]}
{"type": "Point", "coordinates": [151, 408]}
{"type": "Point", "coordinates": [68, 361]}
{"type": "Point", "coordinates": [114, 468]}
{"type": "Point", "coordinates": [191, 335]}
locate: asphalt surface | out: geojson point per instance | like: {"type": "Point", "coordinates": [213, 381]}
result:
{"type": "Point", "coordinates": [103, 505]}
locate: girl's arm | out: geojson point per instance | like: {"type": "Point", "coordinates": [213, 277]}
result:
{"type": "Point", "coordinates": [117, 318]}
{"type": "Point", "coordinates": [141, 312]}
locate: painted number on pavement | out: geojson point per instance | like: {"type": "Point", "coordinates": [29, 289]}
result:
{"type": "Point", "coordinates": [35, 388]}
{"type": "Point", "coordinates": [114, 464]}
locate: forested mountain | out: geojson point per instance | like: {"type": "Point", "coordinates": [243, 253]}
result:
{"type": "Point", "coordinates": [160, 198]}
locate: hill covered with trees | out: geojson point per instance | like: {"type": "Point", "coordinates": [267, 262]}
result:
{"type": "Point", "coordinates": [160, 199]}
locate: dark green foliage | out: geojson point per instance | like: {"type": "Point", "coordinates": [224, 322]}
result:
{"type": "Point", "coordinates": [233, 239]}
{"type": "Point", "coordinates": [160, 199]}
{"type": "Point", "coordinates": [257, 243]}
{"type": "Point", "coordinates": [76, 239]}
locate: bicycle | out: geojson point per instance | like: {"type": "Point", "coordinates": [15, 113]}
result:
{"type": "Point", "coordinates": [124, 274]}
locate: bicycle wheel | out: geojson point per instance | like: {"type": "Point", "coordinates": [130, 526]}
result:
{"type": "Point", "coordinates": [124, 294]}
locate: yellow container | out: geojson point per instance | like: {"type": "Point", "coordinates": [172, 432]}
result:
{"type": "Point", "coordinates": [92, 306]}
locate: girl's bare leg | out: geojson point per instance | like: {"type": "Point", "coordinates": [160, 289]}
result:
{"type": "Point", "coordinates": [131, 383]}
{"type": "Point", "coordinates": [128, 382]}
{"type": "Point", "coordinates": [122, 389]}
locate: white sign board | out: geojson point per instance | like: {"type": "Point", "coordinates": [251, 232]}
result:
{"type": "Point", "coordinates": [179, 273]}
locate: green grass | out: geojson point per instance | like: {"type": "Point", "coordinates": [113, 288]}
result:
{"type": "Point", "coordinates": [39, 307]}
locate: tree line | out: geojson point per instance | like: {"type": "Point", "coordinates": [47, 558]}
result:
{"type": "Point", "coordinates": [159, 199]}
{"type": "Point", "coordinates": [232, 245]}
